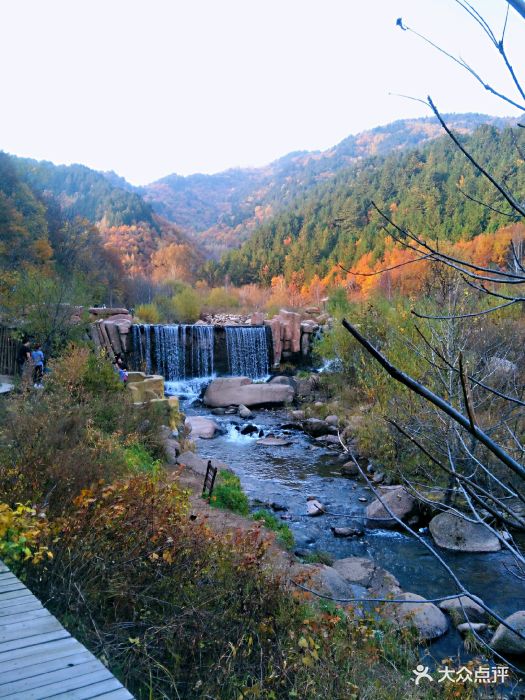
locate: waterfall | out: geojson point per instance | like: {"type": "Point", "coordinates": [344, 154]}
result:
{"type": "Point", "coordinates": [182, 352]}
{"type": "Point", "coordinates": [202, 351]}
{"type": "Point", "coordinates": [247, 351]}
{"type": "Point", "coordinates": [176, 351]}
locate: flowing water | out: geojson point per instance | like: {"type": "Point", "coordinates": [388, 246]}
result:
{"type": "Point", "coordinates": [247, 352]}
{"type": "Point", "coordinates": [192, 351]}
{"type": "Point", "coordinates": [285, 476]}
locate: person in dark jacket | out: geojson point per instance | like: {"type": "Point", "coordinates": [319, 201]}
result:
{"type": "Point", "coordinates": [23, 357]}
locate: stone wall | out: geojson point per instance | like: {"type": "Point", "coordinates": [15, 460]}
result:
{"type": "Point", "coordinates": [293, 332]}
{"type": "Point", "coordinates": [109, 330]}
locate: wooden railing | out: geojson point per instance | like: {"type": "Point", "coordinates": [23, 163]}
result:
{"type": "Point", "coordinates": [8, 351]}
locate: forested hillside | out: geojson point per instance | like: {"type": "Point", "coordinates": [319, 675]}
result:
{"type": "Point", "coordinates": [39, 200]}
{"type": "Point", "coordinates": [36, 234]}
{"type": "Point", "coordinates": [429, 190]}
{"type": "Point", "coordinates": [224, 209]}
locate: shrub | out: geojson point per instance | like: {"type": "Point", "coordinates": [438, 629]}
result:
{"type": "Point", "coordinates": [180, 611]}
{"type": "Point", "coordinates": [222, 299]}
{"type": "Point", "coordinates": [186, 306]}
{"type": "Point", "coordinates": [21, 533]}
{"type": "Point", "coordinates": [147, 313]}
{"type": "Point", "coordinates": [70, 434]}
{"type": "Point", "coordinates": [140, 460]}
{"type": "Point", "coordinates": [228, 493]}
{"type": "Point", "coordinates": [284, 534]}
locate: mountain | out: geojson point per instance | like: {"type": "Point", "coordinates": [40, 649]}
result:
{"type": "Point", "coordinates": [432, 190]}
{"type": "Point", "coordinates": [223, 210]}
{"type": "Point", "coordinates": [127, 223]}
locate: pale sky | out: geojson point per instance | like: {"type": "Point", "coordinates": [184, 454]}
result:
{"type": "Point", "coordinates": [152, 87]}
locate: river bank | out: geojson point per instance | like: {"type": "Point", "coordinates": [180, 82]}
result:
{"type": "Point", "coordinates": [281, 478]}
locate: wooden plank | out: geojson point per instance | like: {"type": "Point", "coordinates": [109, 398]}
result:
{"type": "Point", "coordinates": [29, 628]}
{"type": "Point", "coordinates": [76, 676]}
{"type": "Point", "coordinates": [39, 659]}
{"type": "Point", "coordinates": [23, 616]}
{"type": "Point", "coordinates": [23, 593]}
{"type": "Point", "coordinates": [40, 652]}
{"type": "Point", "coordinates": [32, 641]}
{"type": "Point", "coordinates": [61, 685]}
{"type": "Point", "coordinates": [120, 694]}
{"type": "Point", "coordinates": [103, 689]}
{"type": "Point", "coordinates": [5, 574]}
{"type": "Point", "coordinates": [22, 605]}
{"type": "Point", "coordinates": [13, 585]}
{"type": "Point", "coordinates": [37, 669]}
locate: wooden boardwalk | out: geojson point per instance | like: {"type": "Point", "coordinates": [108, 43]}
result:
{"type": "Point", "coordinates": [39, 658]}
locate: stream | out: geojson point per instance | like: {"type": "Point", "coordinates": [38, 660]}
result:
{"type": "Point", "coordinates": [285, 476]}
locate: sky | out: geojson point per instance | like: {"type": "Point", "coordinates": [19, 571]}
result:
{"type": "Point", "coordinates": [151, 87]}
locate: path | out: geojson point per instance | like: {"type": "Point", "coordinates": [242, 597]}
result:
{"type": "Point", "coordinates": [39, 659]}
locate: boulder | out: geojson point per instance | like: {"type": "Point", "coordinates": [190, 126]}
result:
{"type": "Point", "coordinates": [236, 391]}
{"type": "Point", "coordinates": [329, 440]}
{"type": "Point", "coordinates": [283, 379]}
{"type": "Point", "coordinates": [332, 420]}
{"type": "Point", "coordinates": [506, 642]}
{"type": "Point", "coordinates": [244, 412]}
{"type": "Point", "coordinates": [314, 507]}
{"type": "Point", "coordinates": [103, 312]}
{"type": "Point", "coordinates": [450, 531]}
{"type": "Point", "coordinates": [316, 427]}
{"type": "Point", "coordinates": [349, 469]}
{"type": "Point", "coordinates": [201, 427]}
{"type": "Point", "coordinates": [426, 618]}
{"type": "Point", "coordinates": [114, 337]}
{"type": "Point", "coordinates": [367, 573]}
{"type": "Point", "coordinates": [145, 387]}
{"type": "Point", "coordinates": [346, 532]}
{"type": "Point", "coordinates": [466, 627]}
{"type": "Point", "coordinates": [463, 608]}
{"type": "Point", "coordinates": [298, 415]}
{"type": "Point", "coordinates": [257, 318]}
{"type": "Point", "coordinates": [171, 450]}
{"type": "Point", "coordinates": [197, 464]}
{"type": "Point", "coordinates": [274, 442]}
{"type": "Point", "coordinates": [398, 500]}
{"type": "Point", "coordinates": [327, 581]}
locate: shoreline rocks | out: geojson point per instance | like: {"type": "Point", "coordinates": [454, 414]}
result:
{"type": "Point", "coordinates": [450, 531]}
{"type": "Point", "coordinates": [426, 618]}
{"type": "Point", "coordinates": [464, 609]}
{"type": "Point", "coordinates": [398, 500]}
{"type": "Point", "coordinates": [201, 427]}
{"type": "Point", "coordinates": [237, 391]}
{"type": "Point", "coordinates": [507, 642]}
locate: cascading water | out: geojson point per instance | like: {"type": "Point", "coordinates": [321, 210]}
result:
{"type": "Point", "coordinates": [176, 351]}
{"type": "Point", "coordinates": [247, 351]}
{"type": "Point", "coordinates": [189, 355]}
{"type": "Point", "coordinates": [202, 351]}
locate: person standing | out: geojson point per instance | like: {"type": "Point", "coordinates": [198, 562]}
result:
{"type": "Point", "coordinates": [38, 365]}
{"type": "Point", "coordinates": [23, 357]}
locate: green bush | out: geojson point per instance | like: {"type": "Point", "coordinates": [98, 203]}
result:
{"type": "Point", "coordinates": [148, 313]}
{"type": "Point", "coordinates": [220, 299]}
{"type": "Point", "coordinates": [228, 493]}
{"type": "Point", "coordinates": [139, 460]}
{"type": "Point", "coordinates": [284, 534]}
{"type": "Point", "coordinates": [186, 306]}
